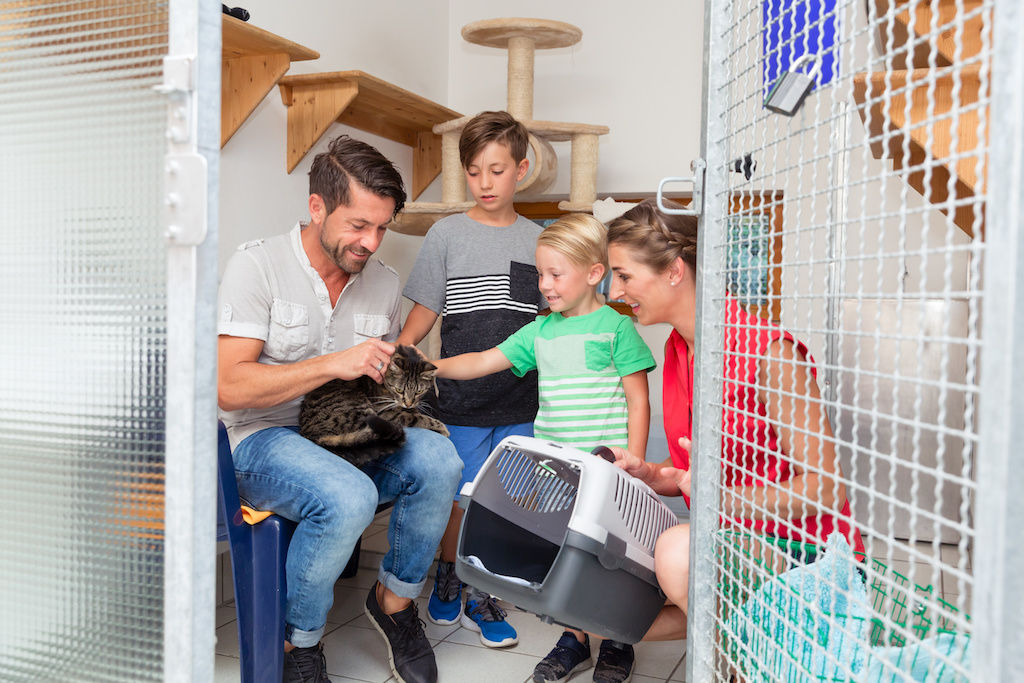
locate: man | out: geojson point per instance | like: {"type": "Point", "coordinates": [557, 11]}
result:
{"type": "Point", "coordinates": [296, 311]}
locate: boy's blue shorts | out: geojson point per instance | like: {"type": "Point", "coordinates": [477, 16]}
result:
{"type": "Point", "coordinates": [474, 444]}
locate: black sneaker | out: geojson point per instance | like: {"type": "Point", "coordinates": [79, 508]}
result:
{"type": "Point", "coordinates": [410, 655]}
{"type": "Point", "coordinates": [305, 665]}
{"type": "Point", "coordinates": [614, 663]}
{"type": "Point", "coordinates": [569, 657]}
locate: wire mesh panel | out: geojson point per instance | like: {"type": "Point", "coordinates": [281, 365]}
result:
{"type": "Point", "coordinates": [82, 371]}
{"type": "Point", "coordinates": [847, 145]}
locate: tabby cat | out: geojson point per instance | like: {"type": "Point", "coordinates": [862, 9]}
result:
{"type": "Point", "coordinates": [363, 421]}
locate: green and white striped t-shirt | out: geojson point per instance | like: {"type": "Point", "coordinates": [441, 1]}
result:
{"type": "Point", "coordinates": [580, 361]}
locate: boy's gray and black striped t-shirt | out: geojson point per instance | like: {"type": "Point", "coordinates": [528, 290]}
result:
{"type": "Point", "coordinates": [482, 280]}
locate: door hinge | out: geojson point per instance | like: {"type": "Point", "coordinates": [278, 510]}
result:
{"type": "Point", "coordinates": [185, 198]}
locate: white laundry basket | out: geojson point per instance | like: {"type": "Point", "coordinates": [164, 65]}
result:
{"type": "Point", "coordinates": [566, 535]}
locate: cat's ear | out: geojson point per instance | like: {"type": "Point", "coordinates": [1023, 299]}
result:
{"type": "Point", "coordinates": [428, 366]}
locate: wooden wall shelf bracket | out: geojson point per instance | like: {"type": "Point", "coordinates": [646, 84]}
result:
{"type": "Point", "coordinates": [360, 100]}
{"type": "Point", "coordinates": [252, 61]}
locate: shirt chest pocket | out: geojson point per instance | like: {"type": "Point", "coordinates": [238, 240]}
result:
{"type": "Point", "coordinates": [366, 326]}
{"type": "Point", "coordinates": [288, 336]}
{"type": "Point", "coordinates": [598, 353]}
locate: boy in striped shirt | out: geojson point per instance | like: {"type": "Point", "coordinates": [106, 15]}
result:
{"type": "Point", "coordinates": [592, 367]}
{"type": "Point", "coordinates": [476, 272]}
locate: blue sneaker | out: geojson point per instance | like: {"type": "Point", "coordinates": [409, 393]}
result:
{"type": "Point", "coordinates": [445, 602]}
{"type": "Point", "coordinates": [483, 614]}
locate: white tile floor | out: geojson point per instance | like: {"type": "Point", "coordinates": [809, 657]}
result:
{"type": "Point", "coordinates": [355, 651]}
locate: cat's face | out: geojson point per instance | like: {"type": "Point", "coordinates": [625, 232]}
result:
{"type": "Point", "coordinates": [409, 377]}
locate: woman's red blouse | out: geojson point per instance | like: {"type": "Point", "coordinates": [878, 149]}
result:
{"type": "Point", "coordinates": [750, 446]}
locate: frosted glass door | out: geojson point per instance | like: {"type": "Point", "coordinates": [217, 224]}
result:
{"type": "Point", "coordinates": [83, 347]}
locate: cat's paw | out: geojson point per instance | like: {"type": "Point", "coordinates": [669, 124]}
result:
{"type": "Point", "coordinates": [434, 425]}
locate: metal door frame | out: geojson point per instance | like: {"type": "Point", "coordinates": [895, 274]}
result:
{"type": "Point", "coordinates": [192, 86]}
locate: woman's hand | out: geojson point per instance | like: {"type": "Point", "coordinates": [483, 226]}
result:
{"type": "Point", "coordinates": [664, 479]}
{"type": "Point", "coordinates": [683, 476]}
{"type": "Point", "coordinates": [633, 465]}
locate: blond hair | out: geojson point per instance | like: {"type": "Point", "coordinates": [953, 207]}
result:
{"type": "Point", "coordinates": [579, 237]}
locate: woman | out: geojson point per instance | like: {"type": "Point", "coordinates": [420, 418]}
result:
{"type": "Point", "coordinates": [780, 474]}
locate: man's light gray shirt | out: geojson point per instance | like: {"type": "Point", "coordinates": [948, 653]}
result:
{"type": "Point", "coordinates": [271, 292]}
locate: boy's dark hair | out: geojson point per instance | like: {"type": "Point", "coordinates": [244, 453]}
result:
{"type": "Point", "coordinates": [348, 159]}
{"type": "Point", "coordinates": [493, 126]}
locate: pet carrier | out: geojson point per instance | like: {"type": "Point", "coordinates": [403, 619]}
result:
{"type": "Point", "coordinates": [566, 535]}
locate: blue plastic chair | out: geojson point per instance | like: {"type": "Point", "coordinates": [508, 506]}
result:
{"type": "Point", "coordinates": [258, 553]}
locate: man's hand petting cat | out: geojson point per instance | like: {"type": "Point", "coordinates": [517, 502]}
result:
{"type": "Point", "coordinates": [369, 358]}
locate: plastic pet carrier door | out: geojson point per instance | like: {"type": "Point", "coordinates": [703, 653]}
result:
{"type": "Point", "coordinates": [566, 535]}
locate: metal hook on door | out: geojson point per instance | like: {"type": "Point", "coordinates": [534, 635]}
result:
{"type": "Point", "coordinates": [697, 203]}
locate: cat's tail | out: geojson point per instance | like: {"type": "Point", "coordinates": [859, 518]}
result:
{"type": "Point", "coordinates": [387, 432]}
{"type": "Point", "coordinates": [387, 438]}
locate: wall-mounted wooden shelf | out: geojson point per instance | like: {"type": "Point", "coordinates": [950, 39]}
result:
{"type": "Point", "coordinates": [252, 60]}
{"type": "Point", "coordinates": [360, 100]}
{"type": "Point", "coordinates": [919, 136]}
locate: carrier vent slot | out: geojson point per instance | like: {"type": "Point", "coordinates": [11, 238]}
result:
{"type": "Point", "coordinates": [533, 484]}
{"type": "Point", "coordinates": [644, 517]}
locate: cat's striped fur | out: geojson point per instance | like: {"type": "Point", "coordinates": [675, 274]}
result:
{"type": "Point", "coordinates": [363, 421]}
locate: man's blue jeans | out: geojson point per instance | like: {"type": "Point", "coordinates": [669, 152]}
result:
{"type": "Point", "coordinates": [334, 501]}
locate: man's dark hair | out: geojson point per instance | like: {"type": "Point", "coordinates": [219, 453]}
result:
{"type": "Point", "coordinates": [348, 159]}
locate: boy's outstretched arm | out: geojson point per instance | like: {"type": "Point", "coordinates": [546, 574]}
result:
{"type": "Point", "coordinates": [638, 406]}
{"type": "Point", "coordinates": [472, 365]}
{"type": "Point", "coordinates": [417, 325]}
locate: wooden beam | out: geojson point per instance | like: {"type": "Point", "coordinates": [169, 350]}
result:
{"type": "Point", "coordinates": [426, 161]}
{"type": "Point", "coordinates": [245, 81]}
{"type": "Point", "coordinates": [925, 126]}
{"type": "Point", "coordinates": [377, 107]}
{"type": "Point", "coordinates": [252, 61]}
{"type": "Point", "coordinates": [914, 43]}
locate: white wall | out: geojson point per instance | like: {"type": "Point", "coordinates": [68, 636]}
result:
{"type": "Point", "coordinates": [637, 70]}
{"type": "Point", "coordinates": [258, 198]}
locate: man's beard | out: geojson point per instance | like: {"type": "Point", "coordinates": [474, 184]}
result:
{"type": "Point", "coordinates": [338, 256]}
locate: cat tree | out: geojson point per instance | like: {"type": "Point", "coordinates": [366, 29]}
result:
{"type": "Point", "coordinates": [521, 38]}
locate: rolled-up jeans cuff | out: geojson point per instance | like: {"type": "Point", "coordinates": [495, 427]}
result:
{"type": "Point", "coordinates": [399, 587]}
{"type": "Point", "coordinates": [300, 638]}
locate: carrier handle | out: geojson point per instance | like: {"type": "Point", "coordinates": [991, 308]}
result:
{"type": "Point", "coordinates": [604, 452]}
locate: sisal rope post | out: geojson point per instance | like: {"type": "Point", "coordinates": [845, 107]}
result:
{"type": "Point", "coordinates": [520, 77]}
{"type": "Point", "coordinates": [453, 181]}
{"type": "Point", "coordinates": [583, 174]}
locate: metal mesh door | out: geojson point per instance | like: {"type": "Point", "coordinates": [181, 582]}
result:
{"type": "Point", "coordinates": [839, 338]}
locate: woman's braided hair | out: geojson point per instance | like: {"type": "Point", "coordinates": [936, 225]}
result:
{"type": "Point", "coordinates": [656, 238]}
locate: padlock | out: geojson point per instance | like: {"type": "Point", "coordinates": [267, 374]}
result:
{"type": "Point", "coordinates": [790, 89]}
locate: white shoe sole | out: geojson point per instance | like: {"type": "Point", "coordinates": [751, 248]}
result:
{"type": "Point", "coordinates": [387, 643]}
{"type": "Point", "coordinates": [442, 622]}
{"type": "Point", "coordinates": [472, 626]}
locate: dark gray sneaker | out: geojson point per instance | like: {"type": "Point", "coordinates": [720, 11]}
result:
{"type": "Point", "coordinates": [569, 657]}
{"type": "Point", "coordinates": [409, 652]}
{"type": "Point", "coordinates": [305, 665]}
{"type": "Point", "coordinates": [614, 663]}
